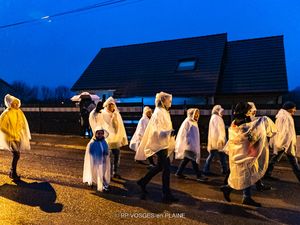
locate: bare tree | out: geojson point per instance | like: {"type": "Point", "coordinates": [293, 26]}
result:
{"type": "Point", "coordinates": [46, 94]}
{"type": "Point", "coordinates": [25, 92]}
{"type": "Point", "coordinates": [62, 93]}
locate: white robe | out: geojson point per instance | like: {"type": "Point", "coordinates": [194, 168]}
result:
{"type": "Point", "coordinates": [95, 120]}
{"type": "Point", "coordinates": [139, 133]}
{"type": "Point", "coordinates": [286, 136]}
{"type": "Point", "coordinates": [96, 170]}
{"type": "Point", "coordinates": [216, 133]}
{"type": "Point", "coordinates": [248, 160]}
{"type": "Point", "coordinates": [157, 135]}
{"type": "Point", "coordinates": [188, 138]}
{"type": "Point", "coordinates": [113, 123]}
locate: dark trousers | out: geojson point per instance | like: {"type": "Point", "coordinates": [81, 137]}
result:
{"type": "Point", "coordinates": [183, 164]}
{"type": "Point", "coordinates": [210, 157]}
{"type": "Point", "coordinates": [16, 156]}
{"type": "Point", "coordinates": [151, 160]}
{"type": "Point", "coordinates": [292, 160]}
{"type": "Point", "coordinates": [163, 164]}
{"type": "Point", "coordinates": [115, 161]}
{"type": "Point", "coordinates": [246, 191]}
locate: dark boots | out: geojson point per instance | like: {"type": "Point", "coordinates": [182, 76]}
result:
{"type": "Point", "coordinates": [13, 171]}
{"type": "Point", "coordinates": [251, 202]}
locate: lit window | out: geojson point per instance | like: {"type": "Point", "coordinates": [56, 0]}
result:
{"type": "Point", "coordinates": [186, 65]}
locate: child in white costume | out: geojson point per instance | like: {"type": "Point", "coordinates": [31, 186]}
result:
{"type": "Point", "coordinates": [216, 140]}
{"type": "Point", "coordinates": [96, 167]}
{"type": "Point", "coordinates": [187, 145]}
{"type": "Point", "coordinates": [113, 123]}
{"type": "Point", "coordinates": [139, 132]}
{"type": "Point", "coordinates": [157, 140]}
{"type": "Point", "coordinates": [14, 131]}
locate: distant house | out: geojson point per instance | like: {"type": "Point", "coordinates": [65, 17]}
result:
{"type": "Point", "coordinates": [5, 88]}
{"type": "Point", "coordinates": [202, 70]}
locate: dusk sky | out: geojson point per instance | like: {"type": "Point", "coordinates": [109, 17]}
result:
{"type": "Point", "coordinates": [56, 51]}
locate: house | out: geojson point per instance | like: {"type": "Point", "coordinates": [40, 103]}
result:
{"type": "Point", "coordinates": [198, 70]}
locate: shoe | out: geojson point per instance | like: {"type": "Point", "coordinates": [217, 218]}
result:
{"type": "Point", "coordinates": [263, 187]}
{"type": "Point", "coordinates": [202, 179]}
{"type": "Point", "coordinates": [106, 189]}
{"type": "Point", "coordinates": [251, 202]}
{"type": "Point", "coordinates": [226, 192]}
{"type": "Point", "coordinates": [142, 186]}
{"type": "Point", "coordinates": [208, 173]}
{"type": "Point", "coordinates": [150, 166]}
{"type": "Point", "coordinates": [169, 199]}
{"type": "Point", "coordinates": [117, 176]}
{"type": "Point", "coordinates": [14, 176]}
{"type": "Point", "coordinates": [180, 176]}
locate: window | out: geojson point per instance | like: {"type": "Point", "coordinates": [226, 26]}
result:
{"type": "Point", "coordinates": [188, 64]}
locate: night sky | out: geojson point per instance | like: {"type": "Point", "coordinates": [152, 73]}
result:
{"type": "Point", "coordinates": [56, 51]}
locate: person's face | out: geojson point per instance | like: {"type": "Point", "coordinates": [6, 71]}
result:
{"type": "Point", "coordinates": [99, 135]}
{"type": "Point", "coordinates": [149, 114]}
{"type": "Point", "coordinates": [14, 104]}
{"type": "Point", "coordinates": [167, 102]}
{"type": "Point", "coordinates": [292, 111]}
{"type": "Point", "coordinates": [111, 107]}
{"type": "Point", "coordinates": [196, 115]}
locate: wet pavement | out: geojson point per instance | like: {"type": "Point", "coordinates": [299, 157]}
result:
{"type": "Point", "coordinates": [52, 192]}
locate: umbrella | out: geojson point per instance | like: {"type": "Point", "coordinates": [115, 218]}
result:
{"type": "Point", "coordinates": [85, 95]}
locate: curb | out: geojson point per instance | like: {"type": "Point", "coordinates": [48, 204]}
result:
{"type": "Point", "coordinates": [79, 147]}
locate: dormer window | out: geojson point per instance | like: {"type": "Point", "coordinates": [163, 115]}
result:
{"type": "Point", "coordinates": [187, 64]}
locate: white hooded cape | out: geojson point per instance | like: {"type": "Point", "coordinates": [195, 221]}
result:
{"type": "Point", "coordinates": [157, 135]}
{"type": "Point", "coordinates": [286, 136]}
{"type": "Point", "coordinates": [113, 123]}
{"type": "Point", "coordinates": [248, 157]}
{"type": "Point", "coordinates": [5, 124]}
{"type": "Point", "coordinates": [139, 133]}
{"type": "Point", "coordinates": [188, 137]}
{"type": "Point", "coordinates": [96, 169]}
{"type": "Point", "coordinates": [95, 119]}
{"type": "Point", "coordinates": [216, 132]}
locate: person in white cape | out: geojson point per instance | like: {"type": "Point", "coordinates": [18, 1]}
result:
{"type": "Point", "coordinates": [187, 147]}
{"type": "Point", "coordinates": [139, 133]}
{"type": "Point", "coordinates": [158, 140]}
{"type": "Point", "coordinates": [96, 169]}
{"type": "Point", "coordinates": [96, 117]}
{"type": "Point", "coordinates": [216, 140]}
{"type": "Point", "coordinates": [113, 123]}
{"type": "Point", "coordinates": [14, 132]}
{"type": "Point", "coordinates": [248, 151]}
{"type": "Point", "coordinates": [285, 141]}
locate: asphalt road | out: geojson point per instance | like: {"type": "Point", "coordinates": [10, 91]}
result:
{"type": "Point", "coordinates": [52, 192]}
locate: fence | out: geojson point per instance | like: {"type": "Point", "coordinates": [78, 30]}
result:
{"type": "Point", "coordinates": [66, 120]}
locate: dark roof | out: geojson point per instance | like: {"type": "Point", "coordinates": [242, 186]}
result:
{"type": "Point", "coordinates": [247, 66]}
{"type": "Point", "coordinates": [144, 69]}
{"type": "Point", "coordinates": [254, 65]}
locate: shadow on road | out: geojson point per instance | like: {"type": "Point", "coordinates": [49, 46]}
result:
{"type": "Point", "coordinates": [194, 208]}
{"type": "Point", "coordinates": [33, 194]}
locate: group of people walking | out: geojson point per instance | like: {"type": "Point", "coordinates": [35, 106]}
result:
{"type": "Point", "coordinates": [244, 155]}
{"type": "Point", "coordinates": [247, 148]}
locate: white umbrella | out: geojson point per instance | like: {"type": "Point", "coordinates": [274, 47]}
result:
{"type": "Point", "coordinates": [85, 95]}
